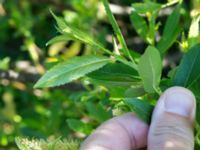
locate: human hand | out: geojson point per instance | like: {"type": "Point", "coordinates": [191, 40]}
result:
{"type": "Point", "coordinates": [171, 127]}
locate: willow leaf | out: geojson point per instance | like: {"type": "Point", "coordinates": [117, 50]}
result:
{"type": "Point", "coordinates": [77, 34]}
{"type": "Point", "coordinates": [116, 74]}
{"type": "Point", "coordinates": [188, 71]}
{"type": "Point", "coordinates": [71, 69]}
{"type": "Point", "coordinates": [139, 24]}
{"type": "Point", "coordinates": [116, 29]}
{"type": "Point", "coordinates": [59, 38]}
{"type": "Point", "coordinates": [150, 67]}
{"type": "Point", "coordinates": [142, 108]}
{"type": "Point", "coordinates": [171, 30]}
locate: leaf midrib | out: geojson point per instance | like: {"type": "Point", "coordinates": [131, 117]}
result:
{"type": "Point", "coordinates": [191, 68]}
{"type": "Point", "coordinates": [76, 68]}
{"type": "Point", "coordinates": [191, 71]}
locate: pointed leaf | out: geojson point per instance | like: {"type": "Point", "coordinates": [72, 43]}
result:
{"type": "Point", "coordinates": [139, 24]}
{"type": "Point", "coordinates": [171, 30]}
{"type": "Point", "coordinates": [188, 71]}
{"type": "Point", "coordinates": [116, 29]}
{"type": "Point", "coordinates": [60, 22]}
{"type": "Point", "coordinates": [142, 108]}
{"type": "Point", "coordinates": [150, 67]}
{"type": "Point", "coordinates": [59, 38]}
{"type": "Point", "coordinates": [143, 8]}
{"type": "Point", "coordinates": [115, 75]}
{"type": "Point", "coordinates": [77, 34]}
{"type": "Point", "coordinates": [71, 69]}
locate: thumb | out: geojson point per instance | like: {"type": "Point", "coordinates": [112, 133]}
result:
{"type": "Point", "coordinates": [172, 121]}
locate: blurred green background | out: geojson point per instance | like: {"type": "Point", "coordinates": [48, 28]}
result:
{"type": "Point", "coordinates": [73, 110]}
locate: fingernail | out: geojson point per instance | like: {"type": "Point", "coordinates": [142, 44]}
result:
{"type": "Point", "coordinates": [179, 102]}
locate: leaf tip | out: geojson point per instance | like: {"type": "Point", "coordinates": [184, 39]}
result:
{"type": "Point", "coordinates": [47, 43]}
{"type": "Point", "coordinates": [38, 84]}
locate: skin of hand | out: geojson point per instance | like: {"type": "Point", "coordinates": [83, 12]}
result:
{"type": "Point", "coordinates": [171, 127]}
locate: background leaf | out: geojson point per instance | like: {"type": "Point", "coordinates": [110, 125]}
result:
{"type": "Point", "coordinates": [188, 71]}
{"type": "Point", "coordinates": [194, 33]}
{"type": "Point", "coordinates": [171, 30]}
{"type": "Point", "coordinates": [150, 67]}
{"type": "Point", "coordinates": [139, 24]}
{"type": "Point", "coordinates": [60, 38]}
{"type": "Point", "coordinates": [79, 126]}
{"type": "Point", "coordinates": [71, 69]}
{"type": "Point", "coordinates": [98, 112]}
{"type": "Point", "coordinates": [143, 8]}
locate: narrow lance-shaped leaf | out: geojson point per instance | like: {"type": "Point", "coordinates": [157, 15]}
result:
{"type": "Point", "coordinates": [139, 24]}
{"type": "Point", "coordinates": [150, 67]}
{"type": "Point", "coordinates": [82, 36]}
{"type": "Point", "coordinates": [71, 69]}
{"type": "Point", "coordinates": [59, 38]}
{"type": "Point", "coordinates": [116, 29]}
{"type": "Point", "coordinates": [77, 34]}
{"type": "Point", "coordinates": [115, 75]}
{"type": "Point", "coordinates": [142, 108]}
{"type": "Point", "coordinates": [171, 30]}
{"type": "Point", "coordinates": [143, 8]}
{"type": "Point", "coordinates": [188, 71]}
{"type": "Point", "coordinates": [60, 22]}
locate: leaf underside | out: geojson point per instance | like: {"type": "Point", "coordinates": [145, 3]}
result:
{"type": "Point", "coordinates": [150, 67]}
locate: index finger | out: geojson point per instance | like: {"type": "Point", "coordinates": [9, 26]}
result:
{"type": "Point", "coordinates": [125, 132]}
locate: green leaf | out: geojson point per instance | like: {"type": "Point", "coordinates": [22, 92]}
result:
{"type": "Point", "coordinates": [116, 29]}
{"type": "Point", "coordinates": [116, 74]}
{"type": "Point", "coordinates": [171, 30]}
{"type": "Point", "coordinates": [98, 112]}
{"type": "Point", "coordinates": [198, 114]}
{"type": "Point", "coordinates": [134, 91]}
{"type": "Point", "coordinates": [117, 92]}
{"type": "Point", "coordinates": [79, 126]}
{"type": "Point", "coordinates": [142, 108]}
{"type": "Point", "coordinates": [139, 24]}
{"type": "Point", "coordinates": [4, 63]}
{"type": "Point", "coordinates": [60, 22]}
{"type": "Point", "coordinates": [143, 8]}
{"type": "Point", "coordinates": [71, 69]}
{"type": "Point", "coordinates": [77, 34]}
{"type": "Point", "coordinates": [150, 67]}
{"type": "Point", "coordinates": [188, 71]}
{"type": "Point", "coordinates": [59, 38]}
